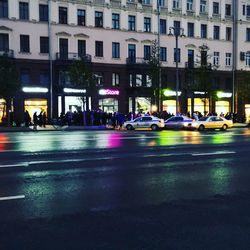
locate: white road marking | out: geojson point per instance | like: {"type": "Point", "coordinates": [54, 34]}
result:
{"type": "Point", "coordinates": [16, 197]}
{"type": "Point", "coordinates": [214, 153]}
{"type": "Point", "coordinates": [14, 165]}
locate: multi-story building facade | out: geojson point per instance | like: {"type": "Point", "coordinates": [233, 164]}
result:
{"type": "Point", "coordinates": [115, 37]}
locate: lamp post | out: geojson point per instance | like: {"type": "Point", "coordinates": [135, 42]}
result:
{"type": "Point", "coordinates": [177, 31]}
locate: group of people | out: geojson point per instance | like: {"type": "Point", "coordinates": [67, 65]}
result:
{"type": "Point", "coordinates": [38, 119]}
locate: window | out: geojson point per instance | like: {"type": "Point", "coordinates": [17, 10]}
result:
{"type": "Point", "coordinates": [163, 54]}
{"type": "Point", "coordinates": [163, 26]}
{"type": "Point", "coordinates": [23, 11]}
{"type": "Point", "coordinates": [247, 58]}
{"type": "Point", "coordinates": [98, 19]}
{"type": "Point", "coordinates": [44, 77]}
{"type": "Point", "coordinates": [190, 58]}
{"type": "Point", "coordinates": [3, 8]}
{"type": "Point", "coordinates": [243, 9]}
{"type": "Point", "coordinates": [228, 9]}
{"type": "Point", "coordinates": [25, 76]}
{"type": "Point", "coordinates": [228, 59]}
{"type": "Point", "coordinates": [228, 33]}
{"type": "Point", "coordinates": [24, 43]}
{"type": "Point", "coordinates": [175, 55]}
{"type": "Point", "coordinates": [63, 15]}
{"type": "Point", "coordinates": [162, 3]}
{"type": "Point", "coordinates": [115, 21]}
{"type": "Point", "coordinates": [147, 52]}
{"type": "Point", "coordinates": [248, 10]}
{"type": "Point", "coordinates": [115, 50]}
{"type": "Point", "coordinates": [131, 53]}
{"type": "Point", "coordinates": [138, 80]}
{"type": "Point", "coordinates": [216, 58]}
{"type": "Point", "coordinates": [190, 30]}
{"type": "Point", "coordinates": [99, 48]}
{"type": "Point", "coordinates": [203, 4]}
{"type": "Point", "coordinates": [63, 48]}
{"type": "Point", "coordinates": [44, 44]}
{"type": "Point", "coordinates": [148, 81]}
{"type": "Point", "coordinates": [4, 42]}
{"type": "Point", "coordinates": [189, 5]}
{"type": "Point", "coordinates": [81, 47]}
{"type": "Point", "coordinates": [176, 4]}
{"type": "Point", "coordinates": [98, 79]}
{"type": "Point", "coordinates": [177, 26]}
{"type": "Point", "coordinates": [248, 34]}
{"type": "Point", "coordinates": [43, 13]}
{"type": "Point", "coordinates": [147, 24]}
{"type": "Point", "coordinates": [203, 31]}
{"type": "Point", "coordinates": [81, 17]}
{"type": "Point", "coordinates": [115, 79]}
{"type": "Point", "coordinates": [131, 80]}
{"type": "Point", "coordinates": [215, 8]}
{"type": "Point", "coordinates": [147, 2]}
{"type": "Point", "coordinates": [216, 32]}
{"type": "Point", "coordinates": [131, 23]}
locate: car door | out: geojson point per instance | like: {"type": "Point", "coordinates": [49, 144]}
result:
{"type": "Point", "coordinates": [170, 122]}
{"type": "Point", "coordinates": [146, 122]}
{"type": "Point", "coordinates": [137, 122]}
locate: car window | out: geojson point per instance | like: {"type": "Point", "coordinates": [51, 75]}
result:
{"type": "Point", "coordinates": [219, 119]}
{"type": "Point", "coordinates": [137, 119]}
{"type": "Point", "coordinates": [204, 118]}
{"type": "Point", "coordinates": [179, 118]}
{"type": "Point", "coordinates": [171, 119]}
{"type": "Point", "coordinates": [146, 118]}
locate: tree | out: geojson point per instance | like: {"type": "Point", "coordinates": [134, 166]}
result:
{"type": "Point", "coordinates": [155, 70]}
{"type": "Point", "coordinates": [81, 76]}
{"type": "Point", "coordinates": [8, 83]}
{"type": "Point", "coordinates": [202, 81]}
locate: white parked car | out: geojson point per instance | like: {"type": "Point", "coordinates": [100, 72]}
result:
{"type": "Point", "coordinates": [212, 122]}
{"type": "Point", "coordinates": [152, 122]}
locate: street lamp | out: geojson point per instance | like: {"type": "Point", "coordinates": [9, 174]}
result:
{"type": "Point", "coordinates": [177, 31]}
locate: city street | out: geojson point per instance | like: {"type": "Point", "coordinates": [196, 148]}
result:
{"type": "Point", "coordinates": [125, 189]}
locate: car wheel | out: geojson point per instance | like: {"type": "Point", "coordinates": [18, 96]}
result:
{"type": "Point", "coordinates": [224, 127]}
{"type": "Point", "coordinates": [154, 127]}
{"type": "Point", "coordinates": [129, 127]}
{"type": "Point", "coordinates": [201, 128]}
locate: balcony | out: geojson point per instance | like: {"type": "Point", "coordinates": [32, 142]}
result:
{"type": "Point", "coordinates": [72, 57]}
{"type": "Point", "coordinates": [8, 53]}
{"type": "Point", "coordinates": [136, 60]}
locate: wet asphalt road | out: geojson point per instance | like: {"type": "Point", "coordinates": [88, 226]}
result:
{"type": "Point", "coordinates": [56, 173]}
{"type": "Point", "coordinates": [50, 174]}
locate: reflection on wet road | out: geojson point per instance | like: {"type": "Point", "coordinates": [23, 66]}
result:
{"type": "Point", "coordinates": [67, 172]}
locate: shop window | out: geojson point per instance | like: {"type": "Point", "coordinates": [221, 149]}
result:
{"type": "Point", "coordinates": [98, 79]}
{"type": "Point", "coordinates": [33, 105]}
{"type": "Point", "coordinates": [109, 105]}
{"type": "Point", "coordinates": [148, 81]}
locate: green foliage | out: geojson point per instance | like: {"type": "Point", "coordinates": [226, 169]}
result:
{"type": "Point", "coordinates": [81, 75]}
{"type": "Point", "coordinates": [154, 63]}
{"type": "Point", "coordinates": [8, 78]}
{"type": "Point", "coordinates": [243, 86]}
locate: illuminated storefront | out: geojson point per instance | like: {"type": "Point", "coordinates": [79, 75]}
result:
{"type": "Point", "coordinates": [247, 112]}
{"type": "Point", "coordinates": [33, 105]}
{"type": "Point", "coordinates": [2, 108]}
{"type": "Point", "coordinates": [142, 105]}
{"type": "Point", "coordinates": [200, 105]}
{"type": "Point", "coordinates": [108, 103]}
{"type": "Point", "coordinates": [169, 106]}
{"type": "Point", "coordinates": [222, 107]}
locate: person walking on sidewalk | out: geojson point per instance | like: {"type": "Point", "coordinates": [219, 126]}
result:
{"type": "Point", "coordinates": [35, 120]}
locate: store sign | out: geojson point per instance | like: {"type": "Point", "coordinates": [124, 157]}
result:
{"type": "Point", "coordinates": [35, 90]}
{"type": "Point", "coordinates": [109, 92]}
{"type": "Point", "coordinates": [168, 92]}
{"type": "Point", "coordinates": [70, 90]}
{"type": "Point", "coordinates": [224, 94]}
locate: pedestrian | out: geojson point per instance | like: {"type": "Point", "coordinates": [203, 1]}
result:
{"type": "Point", "coordinates": [27, 118]}
{"type": "Point", "coordinates": [44, 119]}
{"type": "Point", "coordinates": [35, 120]}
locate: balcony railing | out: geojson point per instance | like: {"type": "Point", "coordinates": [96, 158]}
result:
{"type": "Point", "coordinates": [73, 56]}
{"type": "Point", "coordinates": [136, 60]}
{"type": "Point", "coordinates": [7, 53]}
